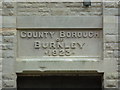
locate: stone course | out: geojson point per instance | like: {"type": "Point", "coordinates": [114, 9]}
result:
{"type": "Point", "coordinates": [57, 9]}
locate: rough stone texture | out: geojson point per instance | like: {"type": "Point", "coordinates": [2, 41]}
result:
{"type": "Point", "coordinates": [8, 83]}
{"type": "Point", "coordinates": [111, 42]}
{"type": "Point", "coordinates": [111, 83]}
{"type": "Point", "coordinates": [57, 9]}
{"type": "Point", "coordinates": [8, 55]}
{"type": "Point", "coordinates": [8, 9]}
{"type": "Point", "coordinates": [8, 76]}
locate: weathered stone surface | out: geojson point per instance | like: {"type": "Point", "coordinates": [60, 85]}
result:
{"type": "Point", "coordinates": [0, 84]}
{"type": "Point", "coordinates": [110, 20]}
{"type": "Point", "coordinates": [0, 51]}
{"type": "Point", "coordinates": [111, 38]}
{"type": "Point", "coordinates": [8, 33]}
{"type": "Point", "coordinates": [8, 54]}
{"type": "Point", "coordinates": [116, 54]}
{"type": "Point", "coordinates": [112, 76]}
{"type": "Point", "coordinates": [0, 13]}
{"type": "Point", "coordinates": [7, 47]}
{"type": "Point", "coordinates": [0, 68]}
{"type": "Point", "coordinates": [8, 66]}
{"type": "Point", "coordinates": [111, 46]}
{"type": "Point", "coordinates": [8, 76]}
{"type": "Point", "coordinates": [111, 4]}
{"type": "Point", "coordinates": [0, 76]}
{"type": "Point", "coordinates": [8, 4]}
{"type": "Point", "coordinates": [1, 61]}
{"type": "Point", "coordinates": [111, 30]}
{"type": "Point", "coordinates": [8, 83]}
{"type": "Point", "coordinates": [8, 39]}
{"type": "Point", "coordinates": [11, 0]}
{"type": "Point", "coordinates": [8, 9]}
{"type": "Point", "coordinates": [108, 54]}
{"type": "Point", "coordinates": [9, 22]}
{"type": "Point", "coordinates": [111, 12]}
{"type": "Point", "coordinates": [8, 12]}
{"type": "Point", "coordinates": [57, 9]}
{"type": "Point", "coordinates": [111, 83]}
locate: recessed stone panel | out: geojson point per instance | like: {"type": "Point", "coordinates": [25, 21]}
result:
{"type": "Point", "coordinates": [59, 44]}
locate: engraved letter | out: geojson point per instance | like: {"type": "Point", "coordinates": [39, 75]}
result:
{"type": "Point", "coordinates": [97, 35]}
{"type": "Point", "coordinates": [37, 44]}
{"type": "Point", "coordinates": [73, 45]}
{"type": "Point", "coordinates": [29, 34]}
{"type": "Point", "coordinates": [52, 34]}
{"type": "Point", "coordinates": [68, 34]}
{"type": "Point", "coordinates": [41, 34]}
{"type": "Point", "coordinates": [85, 34]}
{"type": "Point", "coordinates": [62, 34]}
{"type": "Point", "coordinates": [23, 34]}
{"type": "Point", "coordinates": [35, 34]}
{"type": "Point", "coordinates": [46, 34]}
{"type": "Point", "coordinates": [91, 34]}
{"type": "Point", "coordinates": [74, 35]}
{"type": "Point", "coordinates": [81, 45]}
{"type": "Point", "coordinates": [67, 52]}
{"type": "Point", "coordinates": [61, 52]}
{"type": "Point", "coordinates": [79, 34]}
{"type": "Point", "coordinates": [52, 45]}
{"type": "Point", "coordinates": [60, 45]}
{"type": "Point", "coordinates": [54, 52]}
{"type": "Point", "coordinates": [45, 45]}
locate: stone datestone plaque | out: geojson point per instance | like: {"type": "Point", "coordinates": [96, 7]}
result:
{"type": "Point", "coordinates": [59, 44]}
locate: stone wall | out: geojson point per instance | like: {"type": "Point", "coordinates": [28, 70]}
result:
{"type": "Point", "coordinates": [110, 28]}
{"type": "Point", "coordinates": [8, 44]}
{"type": "Point", "coordinates": [8, 47]}
{"type": "Point", "coordinates": [107, 9]}
{"type": "Point", "coordinates": [57, 9]}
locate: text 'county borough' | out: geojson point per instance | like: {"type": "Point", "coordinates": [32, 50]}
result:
{"type": "Point", "coordinates": [61, 34]}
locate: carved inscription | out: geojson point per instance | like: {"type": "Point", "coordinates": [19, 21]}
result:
{"type": "Point", "coordinates": [59, 43]}
{"type": "Point", "coordinates": [62, 34]}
